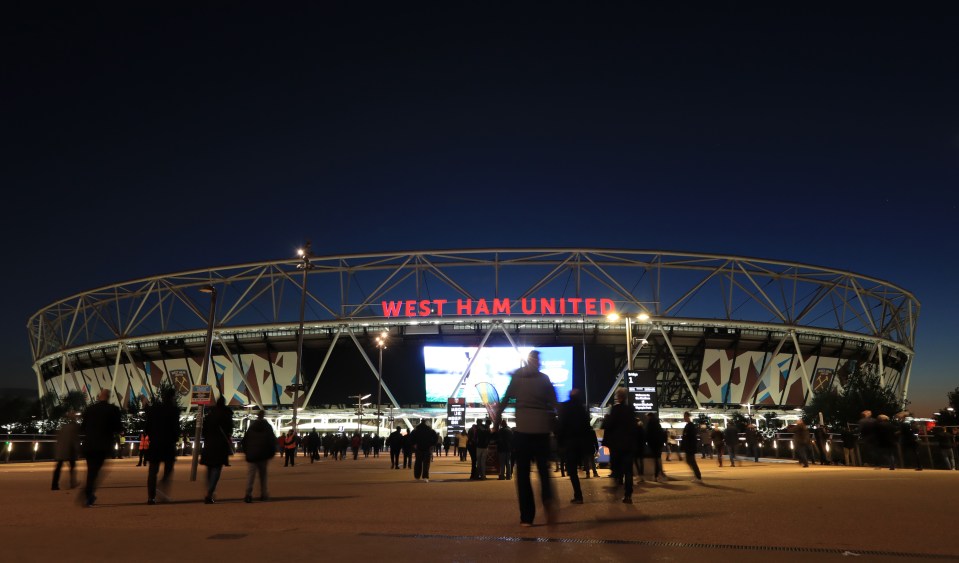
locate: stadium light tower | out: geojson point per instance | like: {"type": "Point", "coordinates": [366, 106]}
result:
{"type": "Point", "coordinates": [381, 344]}
{"type": "Point", "coordinates": [207, 353]}
{"type": "Point", "coordinates": [305, 254]}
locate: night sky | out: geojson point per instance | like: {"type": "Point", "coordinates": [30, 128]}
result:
{"type": "Point", "coordinates": [142, 140]}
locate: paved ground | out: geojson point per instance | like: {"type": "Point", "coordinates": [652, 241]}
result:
{"type": "Point", "coordinates": [362, 509]}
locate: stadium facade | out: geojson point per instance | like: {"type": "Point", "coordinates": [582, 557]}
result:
{"type": "Point", "coordinates": [717, 331]}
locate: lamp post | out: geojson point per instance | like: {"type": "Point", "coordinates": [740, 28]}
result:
{"type": "Point", "coordinates": [642, 317]}
{"type": "Point", "coordinates": [359, 410]}
{"type": "Point", "coordinates": [381, 344]}
{"type": "Point", "coordinates": [207, 352]}
{"type": "Point", "coordinates": [305, 254]}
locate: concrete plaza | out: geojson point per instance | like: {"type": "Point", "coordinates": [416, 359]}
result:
{"type": "Point", "coordinates": [339, 510]}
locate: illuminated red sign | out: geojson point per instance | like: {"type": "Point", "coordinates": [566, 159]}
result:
{"type": "Point", "coordinates": [525, 306]}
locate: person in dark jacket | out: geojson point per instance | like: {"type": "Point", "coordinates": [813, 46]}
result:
{"type": "Point", "coordinates": [731, 438]}
{"type": "Point", "coordinates": [504, 447]}
{"type": "Point", "coordinates": [655, 439]}
{"type": "Point", "coordinates": [908, 441]}
{"type": "Point", "coordinates": [801, 442]}
{"type": "Point", "coordinates": [482, 448]}
{"type": "Point", "coordinates": [620, 437]}
{"type": "Point", "coordinates": [752, 441]}
{"type": "Point", "coordinates": [395, 443]}
{"type": "Point", "coordinates": [67, 450]}
{"type": "Point", "coordinates": [101, 421]}
{"type": "Point", "coordinates": [690, 445]}
{"type": "Point", "coordinates": [422, 438]}
{"type": "Point", "coordinates": [719, 443]}
{"type": "Point", "coordinates": [821, 433]}
{"type": "Point", "coordinates": [849, 443]}
{"type": "Point", "coordinates": [572, 434]}
{"type": "Point", "coordinates": [217, 445]}
{"type": "Point", "coordinates": [163, 427]}
{"type": "Point", "coordinates": [259, 446]}
{"type": "Point", "coordinates": [886, 441]}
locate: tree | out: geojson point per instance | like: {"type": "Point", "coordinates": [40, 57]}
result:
{"type": "Point", "coordinates": [863, 391]}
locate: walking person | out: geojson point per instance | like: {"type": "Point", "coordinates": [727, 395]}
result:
{"type": "Point", "coordinates": [655, 440]}
{"type": "Point", "coordinates": [719, 443]}
{"type": "Point", "coordinates": [690, 446]}
{"type": "Point", "coordinates": [535, 417]}
{"type": "Point", "coordinates": [801, 442]}
{"type": "Point", "coordinates": [395, 443]}
{"type": "Point", "coordinates": [731, 437]}
{"type": "Point", "coordinates": [619, 436]}
{"type": "Point", "coordinates": [423, 439]}
{"type": "Point", "coordinates": [259, 446]}
{"type": "Point", "coordinates": [67, 450]}
{"type": "Point", "coordinates": [101, 422]}
{"type": "Point", "coordinates": [593, 448]}
{"type": "Point", "coordinates": [217, 445]}
{"type": "Point", "coordinates": [461, 441]}
{"type": "Point", "coordinates": [163, 427]}
{"type": "Point", "coordinates": [572, 432]}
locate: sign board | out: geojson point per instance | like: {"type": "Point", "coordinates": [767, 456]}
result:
{"type": "Point", "coordinates": [202, 395]}
{"type": "Point", "coordinates": [641, 385]}
{"type": "Point", "coordinates": [455, 415]}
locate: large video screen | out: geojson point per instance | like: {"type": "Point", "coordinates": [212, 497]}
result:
{"type": "Point", "coordinates": [445, 366]}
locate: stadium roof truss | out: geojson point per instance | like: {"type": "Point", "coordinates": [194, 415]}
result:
{"type": "Point", "coordinates": [688, 297]}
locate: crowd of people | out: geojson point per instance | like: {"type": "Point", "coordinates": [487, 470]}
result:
{"type": "Point", "coordinates": [546, 434]}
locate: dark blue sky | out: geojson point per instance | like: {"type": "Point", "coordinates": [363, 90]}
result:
{"type": "Point", "coordinates": [140, 141]}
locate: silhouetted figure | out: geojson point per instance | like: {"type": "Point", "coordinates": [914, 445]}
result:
{"type": "Point", "coordinates": [690, 446]}
{"type": "Point", "coordinates": [163, 427]}
{"type": "Point", "coordinates": [101, 422]}
{"type": "Point", "coordinates": [504, 450]}
{"type": "Point", "coordinates": [572, 434]}
{"type": "Point", "coordinates": [67, 450]}
{"type": "Point", "coordinates": [395, 443]}
{"type": "Point", "coordinates": [422, 438]}
{"type": "Point", "coordinates": [535, 416]}
{"type": "Point", "coordinates": [259, 446]}
{"type": "Point", "coordinates": [217, 445]}
{"type": "Point", "coordinates": [620, 437]}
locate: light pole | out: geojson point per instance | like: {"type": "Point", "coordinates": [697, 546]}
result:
{"type": "Point", "coordinates": [643, 317]}
{"type": "Point", "coordinates": [207, 352]}
{"type": "Point", "coordinates": [305, 254]}
{"type": "Point", "coordinates": [381, 344]}
{"type": "Point", "coordinates": [359, 410]}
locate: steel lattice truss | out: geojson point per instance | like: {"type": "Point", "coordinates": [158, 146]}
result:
{"type": "Point", "coordinates": [787, 304]}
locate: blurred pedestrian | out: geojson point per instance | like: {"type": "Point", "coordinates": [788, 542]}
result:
{"type": "Point", "coordinates": [572, 433]}
{"type": "Point", "coordinates": [719, 443]}
{"type": "Point", "coordinates": [849, 443]}
{"type": "Point", "coordinates": [943, 441]}
{"type": "Point", "coordinates": [801, 442]}
{"type": "Point", "coordinates": [689, 445]}
{"type": "Point", "coordinates": [731, 437]}
{"type": "Point", "coordinates": [620, 431]}
{"type": "Point", "coordinates": [163, 427]}
{"type": "Point", "coordinates": [101, 422]}
{"type": "Point", "coordinates": [259, 446]}
{"type": "Point", "coordinates": [535, 419]}
{"type": "Point", "coordinates": [67, 449]}
{"type": "Point", "coordinates": [753, 439]}
{"type": "Point", "coordinates": [395, 443]}
{"type": "Point", "coordinates": [886, 441]}
{"type": "Point", "coordinates": [908, 441]}
{"type": "Point", "coordinates": [217, 445]}
{"type": "Point", "coordinates": [655, 440]}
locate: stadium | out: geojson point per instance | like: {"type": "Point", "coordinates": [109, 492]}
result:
{"type": "Point", "coordinates": [418, 333]}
